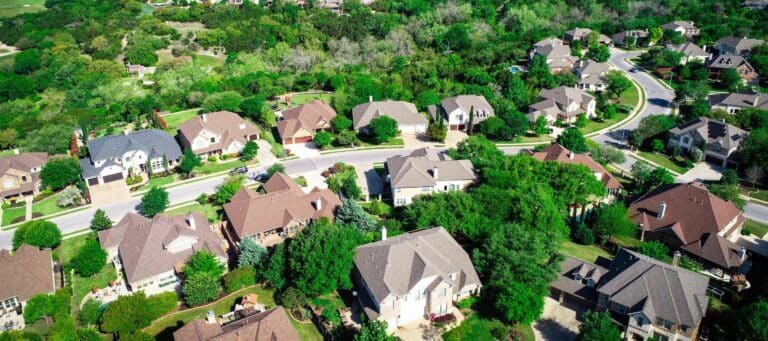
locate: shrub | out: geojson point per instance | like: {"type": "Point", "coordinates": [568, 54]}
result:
{"type": "Point", "coordinates": [200, 288]}
{"type": "Point", "coordinates": [239, 278]}
{"type": "Point", "coordinates": [746, 232]}
{"type": "Point", "coordinates": [331, 316]}
{"type": "Point", "coordinates": [657, 145]}
{"type": "Point", "coordinates": [70, 196]}
{"type": "Point", "coordinates": [323, 139]}
{"type": "Point", "coordinates": [91, 312]}
{"type": "Point", "coordinates": [202, 199]}
{"type": "Point", "coordinates": [212, 158]}
{"type": "Point", "coordinates": [583, 235]}
{"type": "Point", "coordinates": [100, 221]}
{"type": "Point", "coordinates": [292, 298]}
{"type": "Point", "coordinates": [153, 202]}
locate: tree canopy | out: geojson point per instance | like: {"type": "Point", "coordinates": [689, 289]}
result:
{"type": "Point", "coordinates": [153, 202]}
{"type": "Point", "coordinates": [40, 233]}
{"type": "Point", "coordinates": [59, 172]}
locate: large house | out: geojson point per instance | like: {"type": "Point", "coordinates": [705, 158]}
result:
{"type": "Point", "coordinates": [690, 51]}
{"type": "Point", "coordinates": [591, 75]}
{"type": "Point", "coordinates": [558, 56]}
{"type": "Point", "coordinates": [426, 171]}
{"type": "Point", "coordinates": [630, 38]}
{"type": "Point", "coordinates": [690, 218]}
{"type": "Point", "coordinates": [273, 324]}
{"type": "Point", "coordinates": [755, 4]}
{"type": "Point", "coordinates": [685, 28]}
{"type": "Point", "coordinates": [733, 102]}
{"type": "Point", "coordinates": [220, 132]}
{"type": "Point", "coordinates": [299, 124]}
{"type": "Point", "coordinates": [151, 252]}
{"type": "Point", "coordinates": [414, 276]}
{"type": "Point", "coordinates": [649, 298]}
{"type": "Point", "coordinates": [405, 114]}
{"type": "Point", "coordinates": [112, 158]}
{"type": "Point", "coordinates": [20, 174]}
{"type": "Point", "coordinates": [737, 46]}
{"type": "Point", "coordinates": [26, 272]}
{"type": "Point", "coordinates": [279, 213]}
{"type": "Point", "coordinates": [723, 62]}
{"type": "Point", "coordinates": [456, 111]}
{"type": "Point", "coordinates": [717, 139]}
{"type": "Point", "coordinates": [582, 34]}
{"type": "Point", "coordinates": [562, 103]}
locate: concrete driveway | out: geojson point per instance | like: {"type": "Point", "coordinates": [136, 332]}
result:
{"type": "Point", "coordinates": [303, 150]}
{"type": "Point", "coordinates": [110, 192]}
{"type": "Point", "coordinates": [702, 171]}
{"type": "Point", "coordinates": [559, 321]}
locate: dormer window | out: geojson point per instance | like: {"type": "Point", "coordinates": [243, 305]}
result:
{"type": "Point", "coordinates": [213, 139]}
{"type": "Point", "coordinates": [24, 178]}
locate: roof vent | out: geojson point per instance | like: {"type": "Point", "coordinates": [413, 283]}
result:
{"type": "Point", "coordinates": [662, 210]}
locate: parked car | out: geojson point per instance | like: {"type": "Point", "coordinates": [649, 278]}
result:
{"type": "Point", "coordinates": [239, 170]}
{"type": "Point", "coordinates": [263, 177]}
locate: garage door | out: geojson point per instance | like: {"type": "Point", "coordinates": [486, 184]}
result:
{"type": "Point", "coordinates": [113, 177]}
{"type": "Point", "coordinates": [93, 181]}
{"type": "Point", "coordinates": [304, 139]}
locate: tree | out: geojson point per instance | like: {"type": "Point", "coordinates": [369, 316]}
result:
{"type": "Point", "coordinates": [599, 53]}
{"type": "Point", "coordinates": [583, 235]}
{"type": "Point", "coordinates": [142, 53]}
{"type": "Point", "coordinates": [617, 83]}
{"type": "Point", "coordinates": [203, 262]}
{"type": "Point", "coordinates": [606, 154]}
{"type": "Point", "coordinates": [471, 122]}
{"type": "Point", "coordinates": [274, 271]}
{"type": "Point", "coordinates": [100, 221]}
{"type": "Point", "coordinates": [320, 257]}
{"type": "Point", "coordinates": [239, 278]}
{"type": "Point", "coordinates": [495, 128]}
{"type": "Point", "coordinates": [350, 189]}
{"type": "Point", "coordinates": [613, 220]}
{"type": "Point", "coordinates": [541, 126]}
{"type": "Point", "coordinates": [654, 35]}
{"type": "Point", "coordinates": [731, 80]}
{"type": "Point", "coordinates": [249, 152]}
{"type": "Point", "coordinates": [373, 330]}
{"type": "Point", "coordinates": [153, 202]}
{"type": "Point", "coordinates": [26, 62]}
{"type": "Point", "coordinates": [436, 132]}
{"type": "Point", "coordinates": [70, 196]}
{"type": "Point", "coordinates": [657, 145]}
{"type": "Point", "coordinates": [383, 129]}
{"type": "Point", "coordinates": [350, 213]}
{"type": "Point", "coordinates": [90, 259]}
{"type": "Point", "coordinates": [90, 313]}
{"type": "Point", "coordinates": [250, 253]}
{"type": "Point", "coordinates": [582, 120]}
{"type": "Point", "coordinates": [323, 139]}
{"type": "Point", "coordinates": [728, 192]}
{"type": "Point", "coordinates": [477, 149]}
{"type": "Point", "coordinates": [228, 188]}
{"type": "Point", "coordinates": [200, 288]}
{"type": "Point", "coordinates": [40, 233]}
{"type": "Point", "coordinates": [598, 326]}
{"type": "Point", "coordinates": [226, 100]}
{"type": "Point", "coordinates": [650, 126]}
{"type": "Point", "coordinates": [60, 172]}
{"type": "Point", "coordinates": [610, 112]}
{"type": "Point", "coordinates": [572, 139]}
{"type": "Point", "coordinates": [189, 160]}
{"type": "Point", "coordinates": [755, 326]}
{"type": "Point", "coordinates": [275, 168]}
{"type": "Point", "coordinates": [133, 312]}
{"type": "Point", "coordinates": [519, 302]}
{"type": "Point", "coordinates": [654, 249]}
{"type": "Point", "coordinates": [340, 123]}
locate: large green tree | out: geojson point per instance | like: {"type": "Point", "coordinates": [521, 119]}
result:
{"type": "Point", "coordinates": [373, 330]}
{"type": "Point", "coordinates": [201, 288]}
{"type": "Point", "coordinates": [131, 313]}
{"type": "Point", "coordinates": [189, 160]}
{"type": "Point", "coordinates": [100, 221]}
{"type": "Point", "coordinates": [754, 327]}
{"type": "Point", "coordinates": [350, 212]}
{"type": "Point", "coordinates": [382, 129]}
{"type": "Point", "coordinates": [90, 259]}
{"type": "Point", "coordinates": [60, 172]}
{"type": "Point", "coordinates": [227, 190]}
{"type": "Point", "coordinates": [250, 253]}
{"type": "Point", "coordinates": [573, 139]}
{"type": "Point", "coordinates": [40, 233]}
{"type": "Point", "coordinates": [204, 262]}
{"type": "Point", "coordinates": [598, 326]}
{"type": "Point", "coordinates": [613, 221]}
{"type": "Point", "coordinates": [153, 202]}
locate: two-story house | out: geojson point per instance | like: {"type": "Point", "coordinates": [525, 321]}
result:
{"type": "Point", "coordinates": [214, 133]}
{"type": "Point", "coordinates": [562, 103]}
{"type": "Point", "coordinates": [426, 171]}
{"type": "Point", "coordinates": [558, 55]}
{"type": "Point", "coordinates": [405, 114]}
{"type": "Point", "coordinates": [717, 139]}
{"type": "Point", "coordinates": [279, 213]}
{"type": "Point", "coordinates": [743, 68]}
{"type": "Point", "coordinates": [689, 218]}
{"type": "Point", "coordinates": [630, 38]}
{"type": "Point", "coordinates": [691, 53]}
{"type": "Point", "coordinates": [20, 174]}
{"type": "Point", "coordinates": [26, 272]}
{"type": "Point", "coordinates": [582, 35]}
{"type": "Point", "coordinates": [591, 75]}
{"type": "Point", "coordinates": [456, 111]}
{"type": "Point", "coordinates": [273, 325]}
{"type": "Point", "coordinates": [112, 158]}
{"type": "Point", "coordinates": [740, 46]}
{"type": "Point", "coordinates": [733, 102]}
{"type": "Point", "coordinates": [299, 124]}
{"type": "Point", "coordinates": [650, 299]}
{"type": "Point", "coordinates": [413, 277]}
{"type": "Point", "coordinates": [152, 252]}
{"type": "Point", "coordinates": [685, 28]}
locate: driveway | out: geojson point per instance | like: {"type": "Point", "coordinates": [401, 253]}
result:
{"type": "Point", "coordinates": [369, 180]}
{"type": "Point", "coordinates": [702, 171]}
{"type": "Point", "coordinates": [109, 193]}
{"type": "Point", "coordinates": [559, 321]}
{"type": "Point", "coordinates": [303, 150]}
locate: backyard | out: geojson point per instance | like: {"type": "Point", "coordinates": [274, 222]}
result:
{"type": "Point", "coordinates": [299, 99]}
{"type": "Point", "coordinates": [82, 285]}
{"type": "Point", "coordinates": [589, 253]}
{"type": "Point", "coordinates": [207, 210]}
{"type": "Point", "coordinates": [174, 120]}
{"type": "Point", "coordinates": [10, 8]}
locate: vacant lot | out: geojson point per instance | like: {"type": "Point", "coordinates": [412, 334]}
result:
{"type": "Point", "coordinates": [10, 8]}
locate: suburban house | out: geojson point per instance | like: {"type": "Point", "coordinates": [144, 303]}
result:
{"type": "Point", "coordinates": [647, 297]}
{"type": "Point", "coordinates": [557, 153]}
{"type": "Point", "coordinates": [562, 103]}
{"type": "Point", "coordinates": [26, 272]}
{"type": "Point", "coordinates": [299, 124]}
{"type": "Point", "coordinates": [685, 28]}
{"type": "Point", "coordinates": [630, 38]}
{"type": "Point", "coordinates": [151, 252]}
{"type": "Point", "coordinates": [690, 51]}
{"type": "Point", "coordinates": [737, 46]}
{"type": "Point", "coordinates": [214, 133]}
{"type": "Point", "coordinates": [279, 213]}
{"type": "Point", "coordinates": [407, 116]}
{"type": "Point", "coordinates": [273, 324]}
{"type": "Point", "coordinates": [733, 102]}
{"type": "Point", "coordinates": [724, 62]}
{"type": "Point", "coordinates": [717, 139]}
{"type": "Point", "coordinates": [426, 171]}
{"type": "Point", "coordinates": [690, 218]}
{"type": "Point", "coordinates": [112, 158]}
{"type": "Point", "coordinates": [558, 55]}
{"type": "Point", "coordinates": [755, 4]}
{"type": "Point", "coordinates": [591, 75]}
{"type": "Point", "coordinates": [582, 34]}
{"type": "Point", "coordinates": [20, 174]}
{"type": "Point", "coordinates": [412, 277]}
{"type": "Point", "coordinates": [456, 111]}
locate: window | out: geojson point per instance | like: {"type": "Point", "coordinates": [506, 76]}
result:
{"type": "Point", "coordinates": [24, 178]}
{"type": "Point", "coordinates": [426, 189]}
{"type": "Point", "coordinates": [213, 139]}
{"type": "Point", "coordinates": [443, 292]}
{"type": "Point", "coordinates": [660, 337]}
{"type": "Point", "coordinates": [663, 323]}
{"type": "Point", "coordinates": [400, 201]}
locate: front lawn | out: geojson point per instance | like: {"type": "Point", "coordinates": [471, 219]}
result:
{"type": "Point", "coordinates": [13, 215]}
{"type": "Point", "coordinates": [480, 328]}
{"type": "Point", "coordinates": [594, 125]}
{"type": "Point", "coordinates": [664, 161]}
{"type": "Point", "coordinates": [589, 253]}
{"type": "Point", "coordinates": [215, 167]}
{"type": "Point", "coordinates": [69, 247]}
{"type": "Point", "coordinates": [759, 194]}
{"type": "Point", "coordinates": [161, 181]}
{"type": "Point", "coordinates": [630, 96]}
{"type": "Point", "coordinates": [756, 228]}
{"type": "Point", "coordinates": [207, 210]}
{"type": "Point", "coordinates": [47, 206]}
{"type": "Point", "coordinates": [174, 120]}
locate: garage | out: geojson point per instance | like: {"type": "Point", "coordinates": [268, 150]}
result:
{"type": "Point", "coordinates": [93, 181]}
{"type": "Point", "coordinates": [413, 128]}
{"type": "Point", "coordinates": [113, 177]}
{"type": "Point", "coordinates": [304, 139]}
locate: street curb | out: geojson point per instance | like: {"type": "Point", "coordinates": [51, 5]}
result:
{"type": "Point", "coordinates": [49, 216]}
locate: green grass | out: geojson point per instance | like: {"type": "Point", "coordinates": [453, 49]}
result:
{"type": "Point", "coordinates": [330, 301]}
{"type": "Point", "coordinates": [215, 167]}
{"type": "Point", "coordinates": [630, 96]}
{"type": "Point", "coordinates": [160, 181]}
{"type": "Point", "coordinates": [304, 98]}
{"type": "Point", "coordinates": [48, 206]}
{"type": "Point", "coordinates": [69, 247]}
{"type": "Point", "coordinates": [10, 215]}
{"type": "Point", "coordinates": [6, 64]}
{"type": "Point", "coordinates": [527, 139]}
{"type": "Point", "coordinates": [174, 120]}
{"type": "Point", "coordinates": [207, 210]}
{"type": "Point", "coordinates": [207, 61]}
{"type": "Point", "coordinates": [10, 8]}
{"type": "Point", "coordinates": [81, 286]}
{"type": "Point", "coordinates": [163, 327]}
{"type": "Point", "coordinates": [664, 161]}
{"type": "Point", "coordinates": [479, 328]}
{"type": "Point", "coordinates": [306, 330]}
{"type": "Point", "coordinates": [593, 125]}
{"type": "Point", "coordinates": [589, 253]}
{"type": "Point", "coordinates": [760, 195]}
{"type": "Point", "coordinates": [757, 228]}
{"type": "Point", "coordinates": [393, 142]}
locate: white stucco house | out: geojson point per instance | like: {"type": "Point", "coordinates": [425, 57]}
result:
{"type": "Point", "coordinates": [425, 171]}
{"type": "Point", "coordinates": [221, 132]}
{"type": "Point", "coordinates": [456, 111]}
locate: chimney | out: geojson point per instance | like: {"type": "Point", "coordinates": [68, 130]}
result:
{"type": "Point", "coordinates": [318, 204]}
{"type": "Point", "coordinates": [662, 210]}
{"type": "Point", "coordinates": [435, 172]}
{"type": "Point", "coordinates": [571, 155]}
{"type": "Point", "coordinates": [742, 253]}
{"type": "Point", "coordinates": [204, 117]}
{"type": "Point", "coordinates": [383, 233]}
{"type": "Point", "coordinates": [370, 98]}
{"type": "Point", "coordinates": [676, 258]}
{"type": "Point", "coordinates": [191, 221]}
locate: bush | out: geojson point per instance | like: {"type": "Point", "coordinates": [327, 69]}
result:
{"type": "Point", "coordinates": [323, 139]}
{"type": "Point", "coordinates": [657, 145]}
{"type": "Point", "coordinates": [100, 221]}
{"type": "Point", "coordinates": [583, 235]}
{"type": "Point", "coordinates": [239, 278]}
{"type": "Point", "coordinates": [331, 316]}
{"type": "Point", "coordinates": [202, 199]}
{"type": "Point", "coordinates": [746, 232]}
{"type": "Point", "coordinates": [70, 196]}
{"type": "Point", "coordinates": [212, 158]}
{"type": "Point", "coordinates": [292, 298]}
{"type": "Point", "coordinates": [201, 288]}
{"type": "Point", "coordinates": [130, 313]}
{"type": "Point", "coordinates": [90, 313]}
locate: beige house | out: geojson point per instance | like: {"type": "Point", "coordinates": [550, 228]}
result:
{"type": "Point", "coordinates": [562, 103]}
{"type": "Point", "coordinates": [280, 213]}
{"type": "Point", "coordinates": [26, 272]}
{"type": "Point", "coordinates": [691, 53]}
{"type": "Point", "coordinates": [558, 56]}
{"type": "Point", "coordinates": [457, 112]}
{"type": "Point", "coordinates": [152, 252]}
{"type": "Point", "coordinates": [425, 171]}
{"type": "Point", "coordinates": [685, 28]}
{"type": "Point", "coordinates": [412, 277]}
{"type": "Point", "coordinates": [718, 140]}
{"type": "Point", "coordinates": [733, 102]}
{"type": "Point", "coordinates": [20, 174]}
{"type": "Point", "coordinates": [220, 132]}
{"type": "Point", "coordinates": [592, 75]}
{"type": "Point", "coordinates": [299, 124]}
{"type": "Point", "coordinates": [404, 113]}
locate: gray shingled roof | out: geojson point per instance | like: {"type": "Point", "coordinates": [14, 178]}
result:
{"type": "Point", "coordinates": [727, 61]}
{"type": "Point", "coordinates": [739, 45]}
{"type": "Point", "coordinates": [687, 25]}
{"type": "Point", "coordinates": [403, 112]}
{"type": "Point", "coordinates": [688, 49]}
{"type": "Point", "coordinates": [395, 265]}
{"type": "Point", "coordinates": [26, 272]}
{"type": "Point", "coordinates": [417, 169]}
{"type": "Point", "coordinates": [711, 132]}
{"type": "Point", "coordinates": [467, 102]}
{"type": "Point", "coordinates": [740, 100]}
{"type": "Point", "coordinates": [155, 143]}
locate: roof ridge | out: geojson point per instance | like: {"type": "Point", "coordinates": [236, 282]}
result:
{"type": "Point", "coordinates": [669, 290]}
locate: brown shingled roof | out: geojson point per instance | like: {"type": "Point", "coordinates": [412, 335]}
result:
{"type": "Point", "coordinates": [271, 325]}
{"type": "Point", "coordinates": [25, 273]}
{"type": "Point", "coordinates": [309, 116]}
{"type": "Point", "coordinates": [23, 163]}
{"type": "Point", "coordinates": [558, 153]}
{"type": "Point", "coordinates": [229, 125]}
